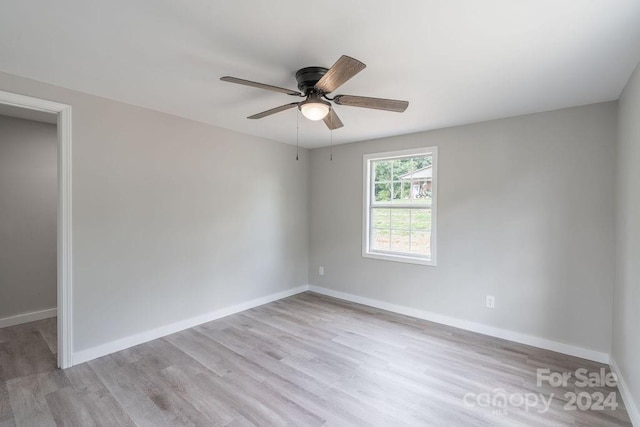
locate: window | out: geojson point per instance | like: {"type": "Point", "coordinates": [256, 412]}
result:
{"type": "Point", "coordinates": [400, 206]}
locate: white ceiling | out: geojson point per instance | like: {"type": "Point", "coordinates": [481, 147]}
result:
{"type": "Point", "coordinates": [456, 61]}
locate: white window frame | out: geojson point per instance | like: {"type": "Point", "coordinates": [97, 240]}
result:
{"type": "Point", "coordinates": [366, 229]}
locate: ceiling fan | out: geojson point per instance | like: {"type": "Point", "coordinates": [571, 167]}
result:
{"type": "Point", "coordinates": [315, 83]}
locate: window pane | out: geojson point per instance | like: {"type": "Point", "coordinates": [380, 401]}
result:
{"type": "Point", "coordinates": [382, 193]}
{"type": "Point", "coordinates": [382, 171]}
{"type": "Point", "coordinates": [421, 243]}
{"type": "Point", "coordinates": [380, 239]}
{"type": "Point", "coordinates": [402, 167]}
{"type": "Point", "coordinates": [417, 176]}
{"type": "Point", "coordinates": [422, 200]}
{"type": "Point", "coordinates": [400, 219]}
{"type": "Point", "coordinates": [421, 219]}
{"type": "Point", "coordinates": [422, 162]}
{"type": "Point", "coordinates": [421, 190]}
{"type": "Point", "coordinates": [400, 241]}
{"type": "Point", "coordinates": [397, 192]}
{"type": "Point", "coordinates": [406, 191]}
{"type": "Point", "coordinates": [381, 218]}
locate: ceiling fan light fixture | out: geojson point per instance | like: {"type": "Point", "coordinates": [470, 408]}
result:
{"type": "Point", "coordinates": [314, 109]}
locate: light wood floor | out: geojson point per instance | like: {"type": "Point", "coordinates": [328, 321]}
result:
{"type": "Point", "coordinates": [304, 361]}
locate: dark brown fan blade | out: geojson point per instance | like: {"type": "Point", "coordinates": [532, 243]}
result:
{"type": "Point", "coordinates": [259, 85]}
{"type": "Point", "coordinates": [344, 68]}
{"type": "Point", "coordinates": [375, 103]}
{"type": "Point", "coordinates": [332, 120]}
{"type": "Point", "coordinates": [273, 111]}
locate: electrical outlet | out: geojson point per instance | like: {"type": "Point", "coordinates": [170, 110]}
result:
{"type": "Point", "coordinates": [491, 301]}
{"type": "Point", "coordinates": [321, 271]}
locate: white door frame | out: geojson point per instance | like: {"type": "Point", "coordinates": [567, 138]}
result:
{"type": "Point", "coordinates": [63, 111]}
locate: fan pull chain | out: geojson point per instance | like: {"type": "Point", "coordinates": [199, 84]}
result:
{"type": "Point", "coordinates": [331, 130]}
{"type": "Point", "coordinates": [331, 154]}
{"type": "Point", "coordinates": [297, 135]}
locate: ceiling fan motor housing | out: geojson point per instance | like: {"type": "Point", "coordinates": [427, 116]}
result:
{"type": "Point", "coordinates": [308, 77]}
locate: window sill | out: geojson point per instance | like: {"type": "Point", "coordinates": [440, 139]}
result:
{"type": "Point", "coordinates": [399, 258]}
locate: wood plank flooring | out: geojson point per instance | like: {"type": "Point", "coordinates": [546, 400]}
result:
{"type": "Point", "coordinates": [307, 360]}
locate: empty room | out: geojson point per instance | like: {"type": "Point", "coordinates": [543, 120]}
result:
{"type": "Point", "coordinates": [337, 213]}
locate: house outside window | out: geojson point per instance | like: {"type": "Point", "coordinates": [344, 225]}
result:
{"type": "Point", "coordinates": [400, 190]}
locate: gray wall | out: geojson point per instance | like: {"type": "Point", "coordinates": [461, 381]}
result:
{"type": "Point", "coordinates": [626, 309]}
{"type": "Point", "coordinates": [173, 218]}
{"type": "Point", "coordinates": [525, 213]}
{"type": "Point", "coordinates": [28, 203]}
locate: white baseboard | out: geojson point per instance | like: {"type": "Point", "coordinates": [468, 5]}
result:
{"type": "Point", "coordinates": [629, 403]}
{"type": "Point", "coordinates": [506, 334]}
{"type": "Point", "coordinates": [132, 340]}
{"type": "Point", "coordinates": [28, 317]}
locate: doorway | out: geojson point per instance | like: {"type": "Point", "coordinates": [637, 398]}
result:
{"type": "Point", "coordinates": [64, 224]}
